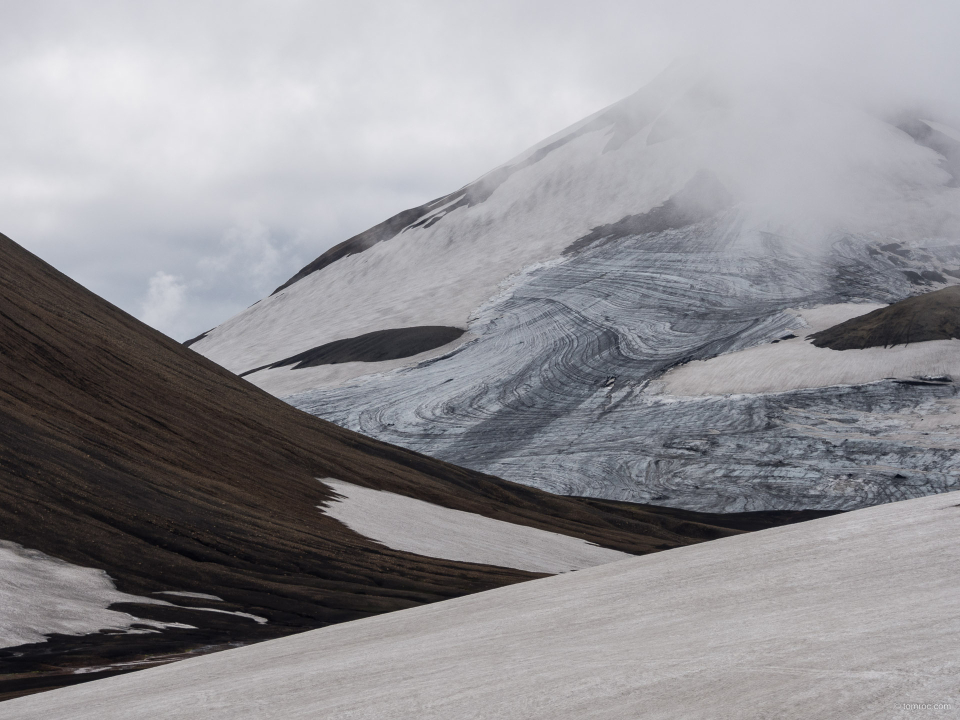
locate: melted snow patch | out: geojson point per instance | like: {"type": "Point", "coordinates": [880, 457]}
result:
{"type": "Point", "coordinates": [41, 595]}
{"type": "Point", "coordinates": [796, 363]}
{"type": "Point", "coordinates": [415, 526]}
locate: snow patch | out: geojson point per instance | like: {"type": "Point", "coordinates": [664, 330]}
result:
{"type": "Point", "coordinates": [256, 618]}
{"type": "Point", "coordinates": [41, 595]}
{"type": "Point", "coordinates": [415, 526]}
{"type": "Point", "coordinates": [796, 363]}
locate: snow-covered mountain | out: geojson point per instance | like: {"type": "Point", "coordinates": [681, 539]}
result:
{"type": "Point", "coordinates": [622, 310]}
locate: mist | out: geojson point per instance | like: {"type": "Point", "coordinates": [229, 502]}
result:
{"type": "Point", "coordinates": [183, 159]}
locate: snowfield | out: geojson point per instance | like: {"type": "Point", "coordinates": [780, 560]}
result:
{"type": "Point", "coordinates": [412, 525]}
{"type": "Point", "coordinates": [846, 617]}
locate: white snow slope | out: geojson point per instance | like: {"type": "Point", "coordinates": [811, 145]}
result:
{"type": "Point", "coordinates": [853, 616]}
{"type": "Point", "coordinates": [41, 595]}
{"type": "Point", "coordinates": [412, 525]}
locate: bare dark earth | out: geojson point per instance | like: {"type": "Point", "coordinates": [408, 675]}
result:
{"type": "Point", "coordinates": [120, 449]}
{"type": "Point", "coordinates": [932, 316]}
{"type": "Point", "coordinates": [376, 346]}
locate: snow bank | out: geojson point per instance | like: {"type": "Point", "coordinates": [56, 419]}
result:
{"type": "Point", "coordinates": [41, 595]}
{"type": "Point", "coordinates": [411, 525]}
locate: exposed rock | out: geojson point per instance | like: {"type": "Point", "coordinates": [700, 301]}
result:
{"type": "Point", "coordinates": [932, 316]}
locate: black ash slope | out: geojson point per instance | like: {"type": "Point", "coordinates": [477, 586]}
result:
{"type": "Point", "coordinates": [125, 451]}
{"type": "Point", "coordinates": [931, 316]}
{"type": "Point", "coordinates": [376, 346]}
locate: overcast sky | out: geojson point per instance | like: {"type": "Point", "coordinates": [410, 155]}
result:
{"type": "Point", "coordinates": [182, 159]}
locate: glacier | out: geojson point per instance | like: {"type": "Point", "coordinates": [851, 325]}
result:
{"type": "Point", "coordinates": [559, 388]}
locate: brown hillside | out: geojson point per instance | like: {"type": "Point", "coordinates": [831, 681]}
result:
{"type": "Point", "coordinates": [932, 316]}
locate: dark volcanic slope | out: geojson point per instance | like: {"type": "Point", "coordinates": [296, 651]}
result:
{"type": "Point", "coordinates": [125, 451]}
{"type": "Point", "coordinates": [375, 346]}
{"type": "Point", "coordinates": [933, 316]}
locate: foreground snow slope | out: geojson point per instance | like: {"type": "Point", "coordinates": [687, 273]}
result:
{"type": "Point", "coordinates": [844, 617]}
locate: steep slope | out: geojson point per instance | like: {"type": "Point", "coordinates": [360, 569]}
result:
{"type": "Point", "coordinates": [931, 316]}
{"type": "Point", "coordinates": [129, 459]}
{"type": "Point", "coordinates": [697, 218]}
{"type": "Point", "coordinates": [845, 617]}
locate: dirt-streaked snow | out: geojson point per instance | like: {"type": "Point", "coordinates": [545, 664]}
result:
{"type": "Point", "coordinates": [41, 595]}
{"type": "Point", "coordinates": [555, 391]}
{"type": "Point", "coordinates": [845, 617]}
{"type": "Point", "coordinates": [412, 525]}
{"type": "Point", "coordinates": [797, 363]}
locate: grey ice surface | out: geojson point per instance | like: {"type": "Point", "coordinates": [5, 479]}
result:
{"type": "Point", "coordinates": [559, 386]}
{"type": "Point", "coordinates": [851, 616]}
{"type": "Point", "coordinates": [412, 525]}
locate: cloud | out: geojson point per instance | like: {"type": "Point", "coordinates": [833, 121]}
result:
{"type": "Point", "coordinates": [165, 303]}
{"type": "Point", "coordinates": [138, 136]}
{"type": "Point", "coordinates": [250, 255]}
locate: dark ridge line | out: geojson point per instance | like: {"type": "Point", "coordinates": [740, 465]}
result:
{"type": "Point", "coordinates": [198, 338]}
{"type": "Point", "coordinates": [376, 346]}
{"type": "Point", "coordinates": [364, 241]}
{"type": "Point", "coordinates": [931, 316]}
{"type": "Point", "coordinates": [623, 116]}
{"type": "Point", "coordinates": [946, 147]}
{"type": "Point", "coordinates": [700, 199]}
